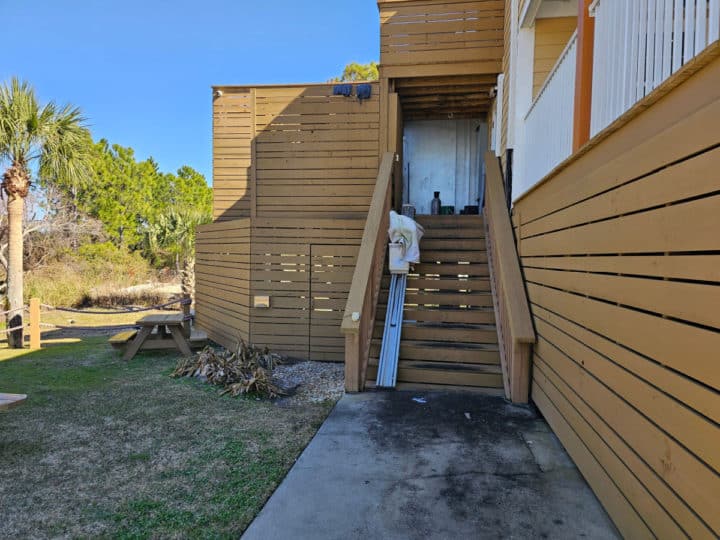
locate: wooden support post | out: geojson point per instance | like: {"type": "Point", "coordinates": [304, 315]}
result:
{"type": "Point", "coordinates": [352, 362]}
{"type": "Point", "coordinates": [583, 75]}
{"type": "Point", "coordinates": [34, 324]}
{"type": "Point", "coordinates": [187, 321]}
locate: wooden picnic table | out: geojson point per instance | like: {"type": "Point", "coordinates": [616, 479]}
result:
{"type": "Point", "coordinates": [11, 400]}
{"type": "Point", "coordinates": [169, 333]}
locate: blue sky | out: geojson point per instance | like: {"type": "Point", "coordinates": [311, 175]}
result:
{"type": "Point", "coordinates": [141, 71]}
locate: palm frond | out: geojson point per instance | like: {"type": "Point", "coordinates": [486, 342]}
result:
{"type": "Point", "coordinates": [56, 137]}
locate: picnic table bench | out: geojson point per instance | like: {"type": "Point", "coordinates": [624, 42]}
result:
{"type": "Point", "coordinates": [159, 332]}
{"type": "Point", "coordinates": [11, 400]}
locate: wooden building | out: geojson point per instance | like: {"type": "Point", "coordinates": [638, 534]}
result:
{"type": "Point", "coordinates": [596, 296]}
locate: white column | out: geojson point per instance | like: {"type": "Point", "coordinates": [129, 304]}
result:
{"type": "Point", "coordinates": [523, 99]}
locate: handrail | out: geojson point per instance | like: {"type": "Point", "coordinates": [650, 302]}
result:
{"type": "Point", "coordinates": [516, 333]}
{"type": "Point", "coordinates": [359, 317]}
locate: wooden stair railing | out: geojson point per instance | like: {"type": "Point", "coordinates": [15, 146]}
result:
{"type": "Point", "coordinates": [359, 317]}
{"type": "Point", "coordinates": [516, 334]}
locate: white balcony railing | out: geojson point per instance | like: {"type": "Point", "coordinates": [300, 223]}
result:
{"type": "Point", "coordinates": [639, 44]}
{"type": "Point", "coordinates": [549, 121]}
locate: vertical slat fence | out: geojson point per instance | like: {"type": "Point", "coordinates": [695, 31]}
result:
{"type": "Point", "coordinates": [639, 44]}
{"type": "Point", "coordinates": [548, 123]}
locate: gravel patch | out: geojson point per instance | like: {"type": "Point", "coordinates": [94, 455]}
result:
{"type": "Point", "coordinates": [311, 381]}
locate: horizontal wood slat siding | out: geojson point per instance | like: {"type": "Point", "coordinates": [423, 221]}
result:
{"type": "Point", "coordinates": [551, 38]}
{"type": "Point", "coordinates": [620, 250]}
{"type": "Point", "coordinates": [418, 37]}
{"type": "Point", "coordinates": [306, 268]}
{"type": "Point", "coordinates": [232, 138]}
{"type": "Point", "coordinates": [222, 274]}
{"type": "Point", "coordinates": [298, 165]}
{"type": "Point", "coordinates": [316, 154]}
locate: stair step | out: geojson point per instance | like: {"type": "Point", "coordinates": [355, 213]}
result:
{"type": "Point", "coordinates": [471, 316]}
{"type": "Point", "coordinates": [451, 269]}
{"type": "Point", "coordinates": [409, 371]}
{"type": "Point", "coordinates": [449, 284]}
{"type": "Point", "coordinates": [479, 334]}
{"type": "Point", "coordinates": [484, 315]}
{"type": "Point", "coordinates": [438, 351]}
{"type": "Point", "coordinates": [452, 256]}
{"type": "Point", "coordinates": [450, 244]}
{"type": "Point", "coordinates": [453, 233]}
{"type": "Point", "coordinates": [424, 387]}
{"type": "Point", "coordinates": [431, 298]}
{"type": "Point", "coordinates": [443, 284]}
{"type": "Point", "coordinates": [469, 333]}
{"type": "Point", "coordinates": [455, 221]}
{"type": "Point", "coordinates": [425, 298]}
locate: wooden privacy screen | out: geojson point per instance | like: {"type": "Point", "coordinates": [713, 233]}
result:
{"type": "Point", "coordinates": [294, 151]}
{"type": "Point", "coordinates": [232, 138]}
{"type": "Point", "coordinates": [222, 276]}
{"type": "Point", "coordinates": [426, 38]}
{"type": "Point", "coordinates": [315, 153]}
{"type": "Point", "coordinates": [621, 253]}
{"type": "Point", "coordinates": [297, 165]}
{"type": "Point", "coordinates": [305, 269]}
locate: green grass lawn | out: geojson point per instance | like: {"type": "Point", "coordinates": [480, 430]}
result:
{"type": "Point", "coordinates": [104, 448]}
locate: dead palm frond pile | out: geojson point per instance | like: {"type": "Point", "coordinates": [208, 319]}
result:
{"type": "Point", "coordinates": [248, 370]}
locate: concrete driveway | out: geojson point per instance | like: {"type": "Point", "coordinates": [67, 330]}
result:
{"type": "Point", "coordinates": [443, 465]}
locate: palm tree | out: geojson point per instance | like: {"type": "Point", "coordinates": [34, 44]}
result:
{"type": "Point", "coordinates": [50, 140]}
{"type": "Point", "coordinates": [173, 234]}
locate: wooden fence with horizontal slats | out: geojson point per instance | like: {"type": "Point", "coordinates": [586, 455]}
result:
{"type": "Point", "coordinates": [304, 267]}
{"type": "Point", "coordinates": [232, 142]}
{"type": "Point", "coordinates": [316, 153]}
{"type": "Point", "coordinates": [222, 277]}
{"type": "Point", "coordinates": [621, 254]}
{"type": "Point", "coordinates": [295, 168]}
{"type": "Point", "coordinates": [294, 151]}
{"type": "Point", "coordinates": [426, 38]}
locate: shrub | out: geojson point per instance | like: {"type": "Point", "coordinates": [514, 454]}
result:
{"type": "Point", "coordinates": [94, 275]}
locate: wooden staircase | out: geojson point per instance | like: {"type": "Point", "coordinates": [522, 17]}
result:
{"type": "Point", "coordinates": [449, 336]}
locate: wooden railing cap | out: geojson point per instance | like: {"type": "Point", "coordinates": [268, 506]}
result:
{"type": "Point", "coordinates": [363, 268]}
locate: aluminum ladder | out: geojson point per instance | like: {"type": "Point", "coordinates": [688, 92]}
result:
{"type": "Point", "coordinates": [390, 347]}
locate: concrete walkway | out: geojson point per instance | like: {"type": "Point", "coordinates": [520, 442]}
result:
{"type": "Point", "coordinates": [384, 466]}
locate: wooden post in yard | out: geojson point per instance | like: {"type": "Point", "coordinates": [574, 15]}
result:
{"type": "Point", "coordinates": [583, 75]}
{"type": "Point", "coordinates": [34, 324]}
{"type": "Point", "coordinates": [187, 322]}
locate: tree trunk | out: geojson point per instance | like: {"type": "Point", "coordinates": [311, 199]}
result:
{"type": "Point", "coordinates": [187, 282]}
{"type": "Point", "coordinates": [15, 205]}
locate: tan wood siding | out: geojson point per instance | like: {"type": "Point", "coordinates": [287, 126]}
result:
{"type": "Point", "coordinates": [551, 37]}
{"type": "Point", "coordinates": [306, 269]}
{"type": "Point", "coordinates": [232, 138]}
{"type": "Point", "coordinates": [316, 155]}
{"type": "Point", "coordinates": [620, 250]}
{"type": "Point", "coordinates": [222, 274]}
{"type": "Point", "coordinates": [426, 38]}
{"type": "Point", "coordinates": [298, 166]}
